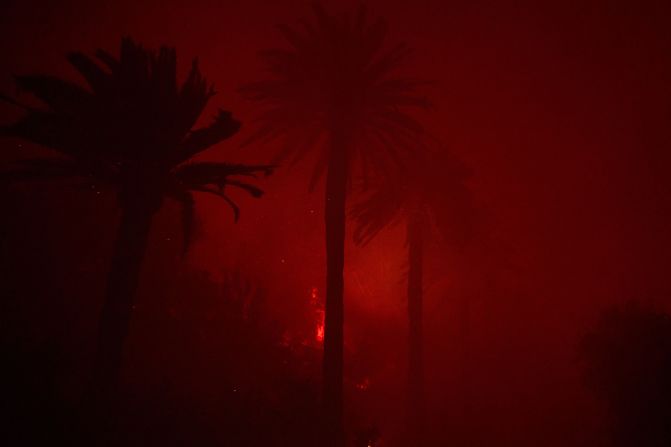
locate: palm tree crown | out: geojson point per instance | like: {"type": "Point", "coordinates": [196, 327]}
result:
{"type": "Point", "coordinates": [335, 77]}
{"type": "Point", "coordinates": [433, 185]}
{"type": "Point", "coordinates": [131, 128]}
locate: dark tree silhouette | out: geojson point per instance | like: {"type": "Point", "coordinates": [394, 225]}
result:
{"type": "Point", "coordinates": [627, 360]}
{"type": "Point", "coordinates": [131, 129]}
{"type": "Point", "coordinates": [430, 195]}
{"type": "Point", "coordinates": [332, 91]}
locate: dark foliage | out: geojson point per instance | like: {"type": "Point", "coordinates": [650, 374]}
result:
{"type": "Point", "coordinates": [627, 359]}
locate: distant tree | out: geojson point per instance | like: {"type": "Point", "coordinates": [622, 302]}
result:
{"type": "Point", "coordinates": [627, 360]}
{"type": "Point", "coordinates": [332, 92]}
{"type": "Point", "coordinates": [131, 129]}
{"type": "Point", "coordinates": [431, 197]}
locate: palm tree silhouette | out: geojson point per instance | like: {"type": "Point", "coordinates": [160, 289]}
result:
{"type": "Point", "coordinates": [431, 196]}
{"type": "Point", "coordinates": [131, 129]}
{"type": "Point", "coordinates": [332, 91]}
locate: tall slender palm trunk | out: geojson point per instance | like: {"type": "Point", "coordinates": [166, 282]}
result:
{"type": "Point", "coordinates": [336, 192]}
{"type": "Point", "coordinates": [138, 210]}
{"type": "Point", "coordinates": [465, 362]}
{"type": "Point", "coordinates": [415, 396]}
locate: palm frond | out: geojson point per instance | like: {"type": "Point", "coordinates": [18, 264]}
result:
{"type": "Point", "coordinates": [134, 63]}
{"type": "Point", "coordinates": [223, 127]}
{"type": "Point", "coordinates": [95, 76]}
{"type": "Point", "coordinates": [134, 118]}
{"type": "Point", "coordinates": [380, 209]}
{"type": "Point", "coordinates": [264, 134]}
{"type": "Point", "coordinates": [335, 65]}
{"type": "Point", "coordinates": [213, 178]}
{"type": "Point", "coordinates": [325, 22]}
{"type": "Point", "coordinates": [12, 101]}
{"type": "Point", "coordinates": [48, 129]}
{"type": "Point", "coordinates": [297, 145]}
{"type": "Point", "coordinates": [319, 170]}
{"type": "Point", "coordinates": [389, 61]}
{"type": "Point", "coordinates": [433, 183]}
{"type": "Point", "coordinates": [110, 61]}
{"type": "Point", "coordinates": [219, 192]}
{"type": "Point", "coordinates": [163, 68]}
{"type": "Point", "coordinates": [134, 112]}
{"type": "Point", "coordinates": [295, 39]}
{"type": "Point", "coordinates": [215, 173]}
{"type": "Point", "coordinates": [60, 96]}
{"type": "Point", "coordinates": [251, 189]}
{"type": "Point", "coordinates": [192, 97]}
{"type": "Point", "coordinates": [43, 169]}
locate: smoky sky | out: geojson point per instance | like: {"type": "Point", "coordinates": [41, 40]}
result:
{"type": "Point", "coordinates": [561, 110]}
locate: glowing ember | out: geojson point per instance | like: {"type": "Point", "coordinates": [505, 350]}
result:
{"type": "Point", "coordinates": [319, 315]}
{"type": "Point", "coordinates": [363, 385]}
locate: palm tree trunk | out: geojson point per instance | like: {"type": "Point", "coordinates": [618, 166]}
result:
{"type": "Point", "coordinates": [122, 282]}
{"type": "Point", "coordinates": [415, 356]}
{"type": "Point", "coordinates": [465, 361]}
{"type": "Point", "coordinates": [336, 191]}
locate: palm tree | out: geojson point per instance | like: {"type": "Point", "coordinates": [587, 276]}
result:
{"type": "Point", "coordinates": [431, 197]}
{"type": "Point", "coordinates": [332, 91]}
{"type": "Point", "coordinates": [131, 129]}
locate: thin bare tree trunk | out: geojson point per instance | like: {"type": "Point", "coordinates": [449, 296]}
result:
{"type": "Point", "coordinates": [336, 191]}
{"type": "Point", "coordinates": [416, 402]}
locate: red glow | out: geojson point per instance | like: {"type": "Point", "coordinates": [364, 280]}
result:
{"type": "Point", "coordinates": [286, 339]}
{"type": "Point", "coordinates": [319, 312]}
{"type": "Point", "coordinates": [320, 333]}
{"type": "Point", "coordinates": [363, 385]}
